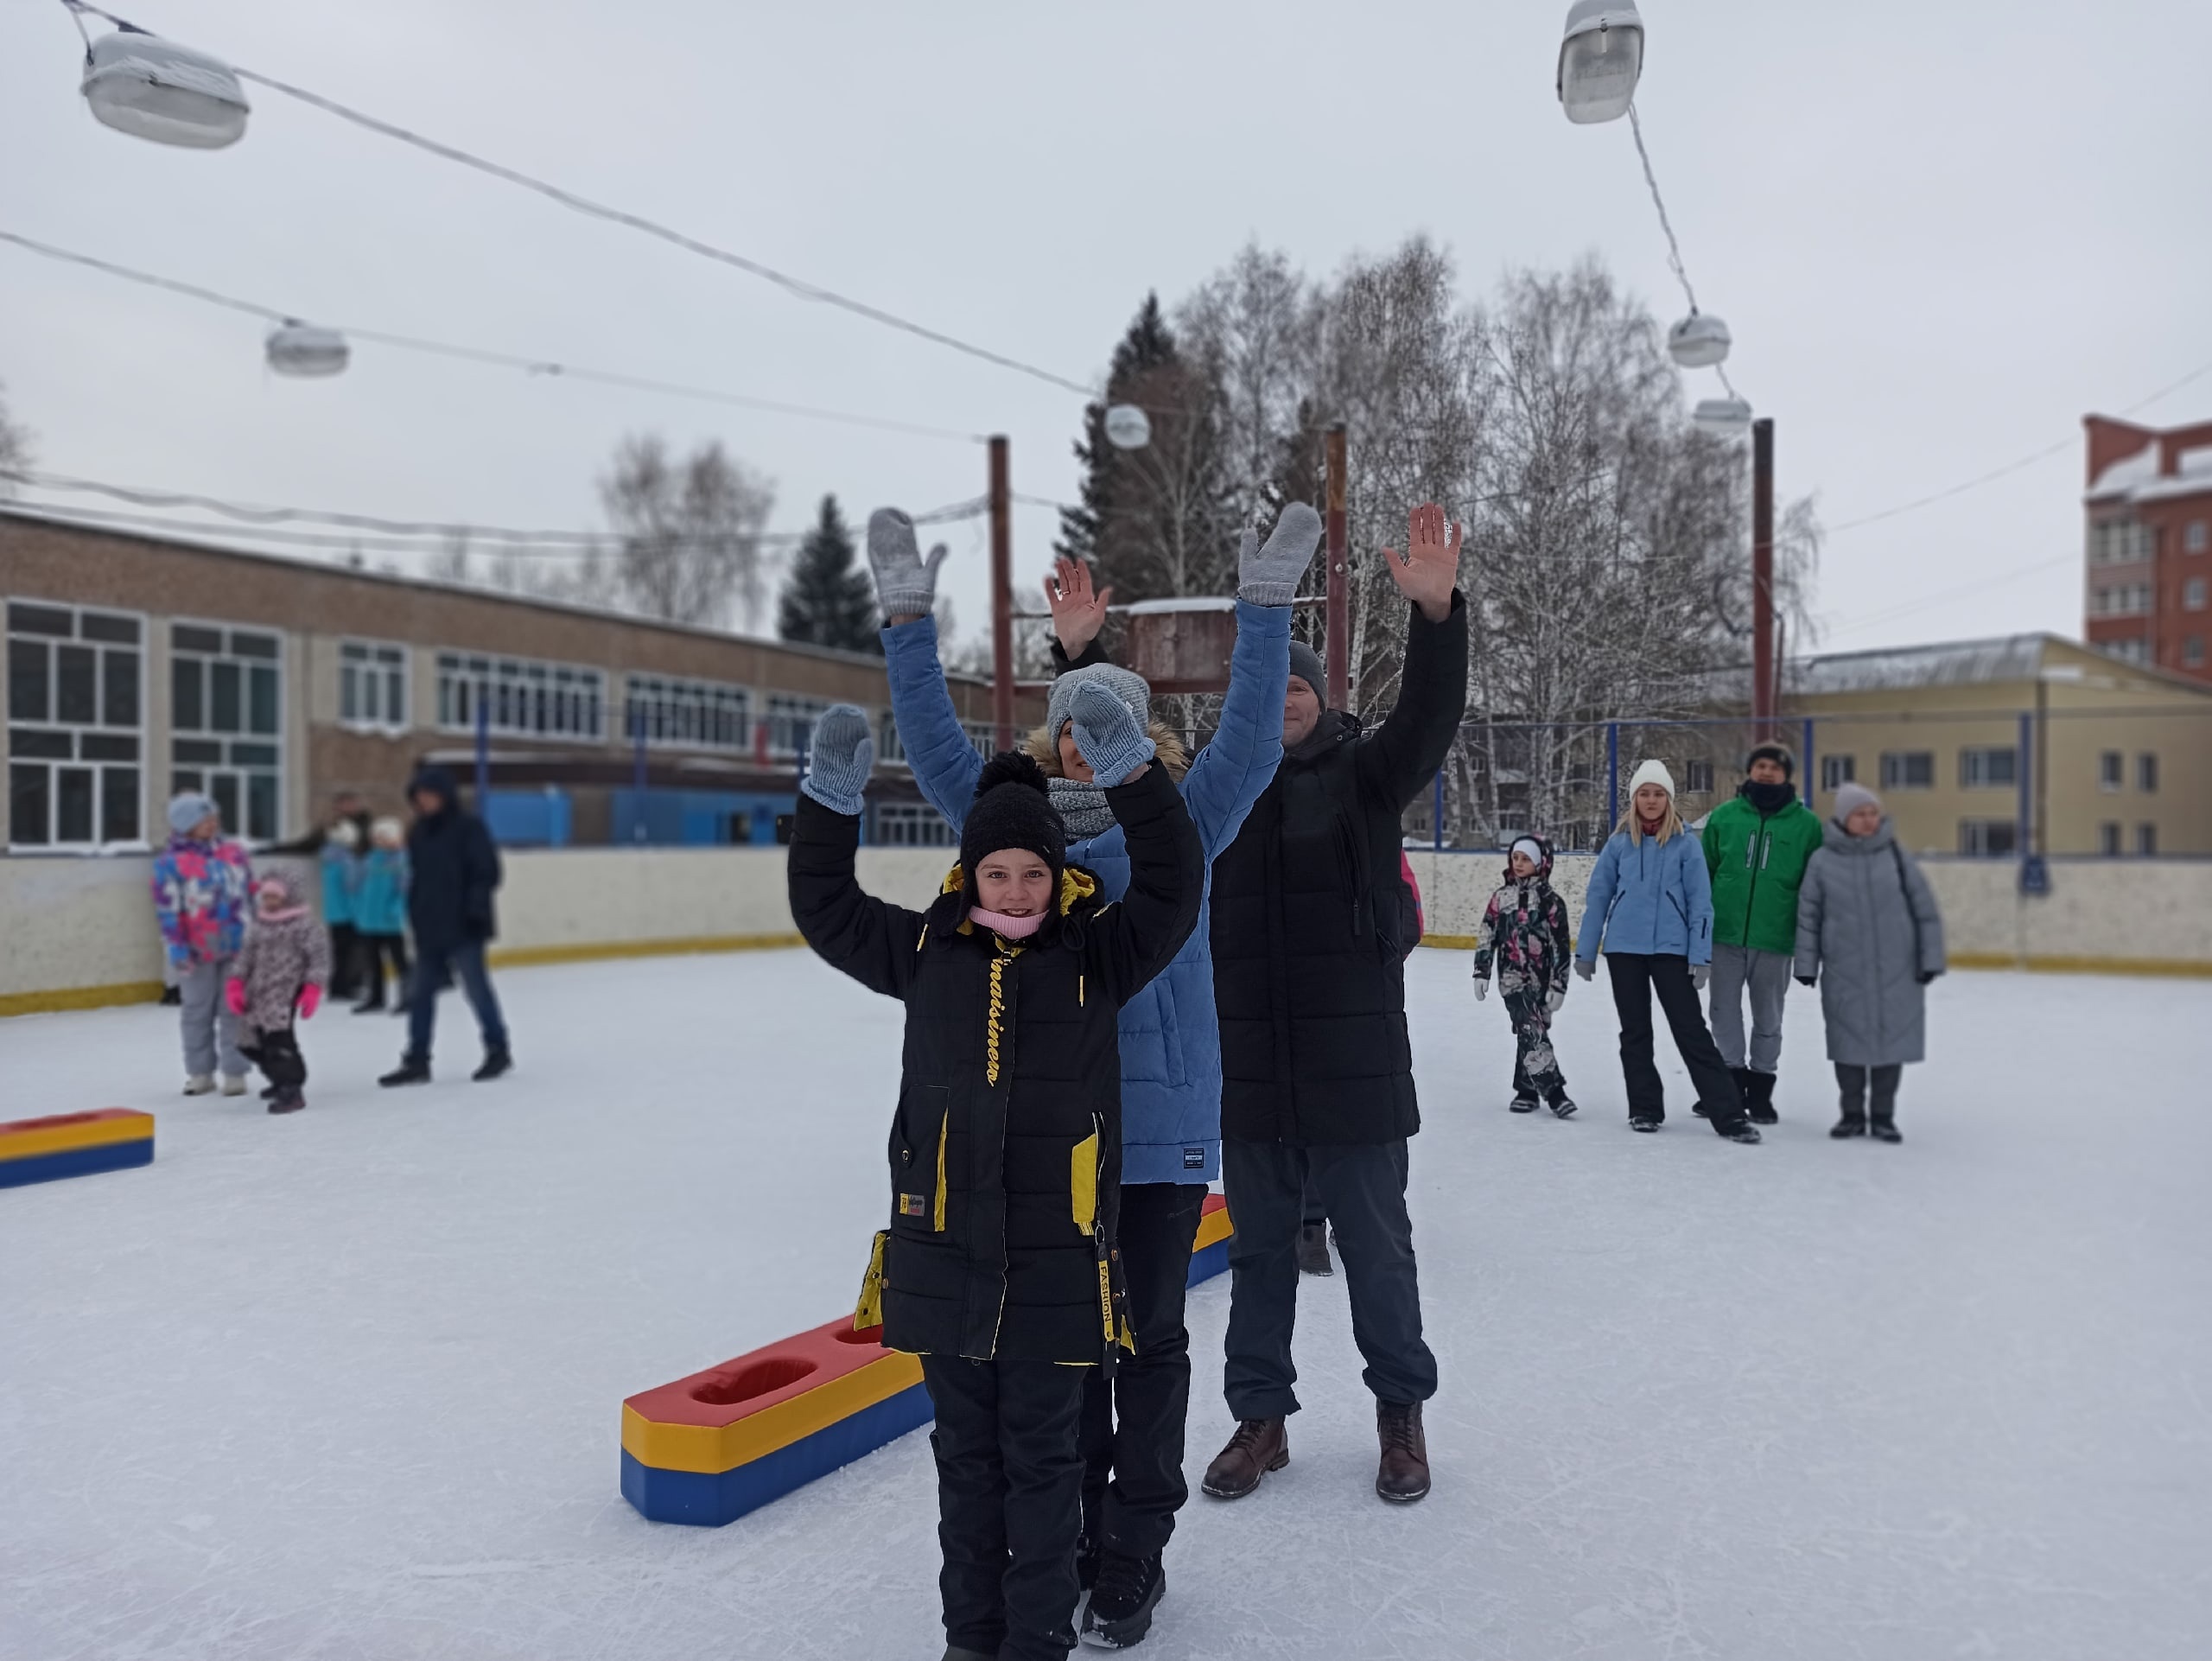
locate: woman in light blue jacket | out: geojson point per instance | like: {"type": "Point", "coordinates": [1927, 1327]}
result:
{"type": "Point", "coordinates": [1650, 907]}
{"type": "Point", "coordinates": [1170, 1036]}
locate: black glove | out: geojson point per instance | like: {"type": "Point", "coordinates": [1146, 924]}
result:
{"type": "Point", "coordinates": [1926, 976]}
{"type": "Point", "coordinates": [1804, 980]}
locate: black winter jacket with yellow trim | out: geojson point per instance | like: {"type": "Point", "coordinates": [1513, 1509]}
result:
{"type": "Point", "coordinates": [1006, 1151]}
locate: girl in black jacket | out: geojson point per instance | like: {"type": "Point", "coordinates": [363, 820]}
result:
{"type": "Point", "coordinates": [998, 1266]}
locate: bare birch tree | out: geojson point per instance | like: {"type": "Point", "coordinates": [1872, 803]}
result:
{"type": "Point", "coordinates": [688, 534]}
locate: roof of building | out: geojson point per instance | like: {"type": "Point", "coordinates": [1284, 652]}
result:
{"type": "Point", "coordinates": [2137, 477]}
{"type": "Point", "coordinates": [32, 515]}
{"type": "Point", "coordinates": [1956, 663]}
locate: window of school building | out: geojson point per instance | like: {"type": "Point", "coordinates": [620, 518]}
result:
{"type": "Point", "coordinates": [520, 698]}
{"type": "Point", "coordinates": [1908, 769]}
{"type": "Point", "coordinates": [76, 722]}
{"type": "Point", "coordinates": [1987, 768]}
{"type": "Point", "coordinates": [1988, 838]}
{"type": "Point", "coordinates": [227, 721]}
{"type": "Point", "coordinates": [1837, 771]}
{"type": "Point", "coordinates": [791, 722]}
{"type": "Point", "coordinates": [372, 686]}
{"type": "Point", "coordinates": [912, 824]}
{"type": "Point", "coordinates": [1698, 778]}
{"type": "Point", "coordinates": [2147, 773]}
{"type": "Point", "coordinates": [703, 714]}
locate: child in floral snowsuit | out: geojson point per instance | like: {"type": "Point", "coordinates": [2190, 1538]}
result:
{"type": "Point", "coordinates": [201, 883]}
{"type": "Point", "coordinates": [1524, 932]}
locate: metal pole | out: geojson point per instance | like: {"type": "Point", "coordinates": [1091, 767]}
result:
{"type": "Point", "coordinates": [1339, 609]}
{"type": "Point", "coordinates": [1001, 596]}
{"type": "Point", "coordinates": [1439, 810]}
{"type": "Point", "coordinates": [637, 772]}
{"type": "Point", "coordinates": [1805, 762]}
{"type": "Point", "coordinates": [2024, 768]}
{"type": "Point", "coordinates": [1761, 578]}
{"type": "Point", "coordinates": [483, 753]}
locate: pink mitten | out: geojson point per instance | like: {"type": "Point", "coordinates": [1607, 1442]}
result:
{"type": "Point", "coordinates": [234, 996]}
{"type": "Point", "coordinates": [310, 1001]}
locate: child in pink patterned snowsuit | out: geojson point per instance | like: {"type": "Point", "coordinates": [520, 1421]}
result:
{"type": "Point", "coordinates": [1524, 933]}
{"type": "Point", "coordinates": [283, 968]}
{"type": "Point", "coordinates": [201, 883]}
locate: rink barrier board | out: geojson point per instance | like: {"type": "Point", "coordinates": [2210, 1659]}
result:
{"type": "Point", "coordinates": [74, 1144]}
{"type": "Point", "coordinates": [2182, 968]}
{"type": "Point", "coordinates": [791, 1411]}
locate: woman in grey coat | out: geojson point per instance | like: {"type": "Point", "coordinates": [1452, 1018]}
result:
{"type": "Point", "coordinates": [1868, 934]}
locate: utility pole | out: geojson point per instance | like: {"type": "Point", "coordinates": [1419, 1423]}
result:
{"type": "Point", "coordinates": [1763, 677]}
{"type": "Point", "coordinates": [1001, 597]}
{"type": "Point", "coordinates": [1338, 610]}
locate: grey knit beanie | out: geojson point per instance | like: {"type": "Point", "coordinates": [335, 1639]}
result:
{"type": "Point", "coordinates": [187, 809]}
{"type": "Point", "coordinates": [1851, 796]}
{"type": "Point", "coordinates": [1124, 684]}
{"type": "Point", "coordinates": [1305, 665]}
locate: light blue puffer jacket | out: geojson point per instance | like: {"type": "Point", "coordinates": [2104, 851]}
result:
{"type": "Point", "coordinates": [1650, 897]}
{"type": "Point", "coordinates": [1169, 1038]}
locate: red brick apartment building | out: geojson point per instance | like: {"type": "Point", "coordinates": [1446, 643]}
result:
{"type": "Point", "coordinates": [136, 667]}
{"type": "Point", "coordinates": [2148, 594]}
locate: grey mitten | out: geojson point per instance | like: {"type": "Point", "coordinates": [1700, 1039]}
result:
{"type": "Point", "coordinates": [1587, 967]}
{"type": "Point", "coordinates": [1481, 987]}
{"type": "Point", "coordinates": [1701, 973]}
{"type": "Point", "coordinates": [1107, 735]}
{"type": "Point", "coordinates": [843, 755]}
{"type": "Point", "coordinates": [905, 584]}
{"type": "Point", "coordinates": [1268, 576]}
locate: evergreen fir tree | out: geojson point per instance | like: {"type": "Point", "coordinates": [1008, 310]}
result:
{"type": "Point", "coordinates": [827, 601]}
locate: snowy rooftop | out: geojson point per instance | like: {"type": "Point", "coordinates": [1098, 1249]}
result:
{"type": "Point", "coordinates": [1954, 663]}
{"type": "Point", "coordinates": [2136, 477]}
{"type": "Point", "coordinates": [345, 1386]}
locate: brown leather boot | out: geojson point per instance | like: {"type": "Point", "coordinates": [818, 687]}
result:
{"type": "Point", "coordinates": [1259, 1446]}
{"type": "Point", "coordinates": [1402, 1477]}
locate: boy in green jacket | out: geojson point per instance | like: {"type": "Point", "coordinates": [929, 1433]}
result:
{"type": "Point", "coordinates": [1757, 847]}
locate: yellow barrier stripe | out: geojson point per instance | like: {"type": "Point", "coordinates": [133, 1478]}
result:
{"type": "Point", "coordinates": [79, 998]}
{"type": "Point", "coordinates": [712, 1449]}
{"type": "Point", "coordinates": [64, 1138]}
{"type": "Point", "coordinates": [1213, 1228]}
{"type": "Point", "coordinates": [523, 957]}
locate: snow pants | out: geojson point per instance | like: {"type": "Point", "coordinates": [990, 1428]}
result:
{"type": "Point", "coordinates": [1851, 1082]}
{"type": "Point", "coordinates": [1363, 1187]}
{"type": "Point", "coordinates": [277, 1054]}
{"type": "Point", "coordinates": [1009, 1501]}
{"type": "Point", "coordinates": [1132, 1420]}
{"type": "Point", "coordinates": [1765, 976]}
{"type": "Point", "coordinates": [1535, 1064]}
{"type": "Point", "coordinates": [1638, 977]}
{"type": "Point", "coordinates": [211, 1031]}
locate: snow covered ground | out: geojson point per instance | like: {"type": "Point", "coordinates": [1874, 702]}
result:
{"type": "Point", "coordinates": [347, 1384]}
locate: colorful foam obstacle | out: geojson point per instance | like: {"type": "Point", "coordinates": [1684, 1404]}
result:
{"type": "Point", "coordinates": [708, 1448]}
{"type": "Point", "coordinates": [74, 1144]}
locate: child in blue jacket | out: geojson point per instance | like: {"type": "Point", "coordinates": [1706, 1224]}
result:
{"type": "Point", "coordinates": [380, 914]}
{"type": "Point", "coordinates": [1651, 905]}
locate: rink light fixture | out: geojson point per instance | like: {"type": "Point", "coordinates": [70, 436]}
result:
{"type": "Point", "coordinates": [305, 351]}
{"type": "Point", "coordinates": [1699, 341]}
{"type": "Point", "coordinates": [1599, 60]}
{"type": "Point", "coordinates": [155, 89]}
{"type": "Point", "coordinates": [1128, 428]}
{"type": "Point", "coordinates": [1724, 417]}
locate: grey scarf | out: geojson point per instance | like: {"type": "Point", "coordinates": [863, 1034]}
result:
{"type": "Point", "coordinates": [1082, 808]}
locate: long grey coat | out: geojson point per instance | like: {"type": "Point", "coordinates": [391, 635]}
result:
{"type": "Point", "coordinates": [1867, 926]}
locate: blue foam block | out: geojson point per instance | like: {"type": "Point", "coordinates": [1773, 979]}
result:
{"type": "Point", "coordinates": [1208, 1262]}
{"type": "Point", "coordinates": [77, 1161]}
{"type": "Point", "coordinates": [710, 1501]}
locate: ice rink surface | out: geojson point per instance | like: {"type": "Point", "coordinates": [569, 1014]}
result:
{"type": "Point", "coordinates": [347, 1384]}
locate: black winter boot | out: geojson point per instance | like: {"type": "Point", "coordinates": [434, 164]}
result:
{"type": "Point", "coordinates": [288, 1100]}
{"type": "Point", "coordinates": [1524, 1102]}
{"type": "Point", "coordinates": [412, 1070]}
{"type": "Point", "coordinates": [1314, 1250]}
{"type": "Point", "coordinates": [1759, 1096]}
{"type": "Point", "coordinates": [1851, 1124]}
{"type": "Point", "coordinates": [495, 1063]}
{"type": "Point", "coordinates": [1562, 1104]}
{"type": "Point", "coordinates": [1886, 1129]}
{"type": "Point", "coordinates": [1129, 1590]}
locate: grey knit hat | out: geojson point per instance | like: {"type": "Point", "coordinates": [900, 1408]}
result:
{"type": "Point", "coordinates": [188, 810]}
{"type": "Point", "coordinates": [1124, 684]}
{"type": "Point", "coordinates": [1305, 665]}
{"type": "Point", "coordinates": [1851, 796]}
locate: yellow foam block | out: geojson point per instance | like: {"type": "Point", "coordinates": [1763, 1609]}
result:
{"type": "Point", "coordinates": [711, 1449]}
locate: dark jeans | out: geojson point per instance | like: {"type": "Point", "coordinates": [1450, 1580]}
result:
{"type": "Point", "coordinates": [1852, 1082]}
{"type": "Point", "coordinates": [277, 1054]}
{"type": "Point", "coordinates": [1009, 1501]}
{"type": "Point", "coordinates": [345, 959]}
{"type": "Point", "coordinates": [432, 963]}
{"type": "Point", "coordinates": [1316, 1212]}
{"type": "Point", "coordinates": [1133, 1424]}
{"type": "Point", "coordinates": [1637, 977]}
{"type": "Point", "coordinates": [1362, 1186]}
{"type": "Point", "coordinates": [378, 950]}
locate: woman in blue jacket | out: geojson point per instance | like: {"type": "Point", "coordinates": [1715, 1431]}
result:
{"type": "Point", "coordinates": [1169, 1038]}
{"type": "Point", "coordinates": [1651, 905]}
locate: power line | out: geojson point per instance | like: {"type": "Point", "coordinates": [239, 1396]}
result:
{"type": "Point", "coordinates": [478, 354]}
{"type": "Point", "coordinates": [1674, 248]}
{"type": "Point", "coordinates": [797, 287]}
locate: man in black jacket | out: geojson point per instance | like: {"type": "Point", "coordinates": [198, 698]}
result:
{"type": "Point", "coordinates": [453, 868]}
{"type": "Point", "coordinates": [1310, 916]}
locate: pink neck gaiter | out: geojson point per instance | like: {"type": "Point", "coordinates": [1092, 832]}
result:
{"type": "Point", "coordinates": [1014, 928]}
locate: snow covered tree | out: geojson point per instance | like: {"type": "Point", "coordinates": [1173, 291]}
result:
{"type": "Point", "coordinates": [827, 599]}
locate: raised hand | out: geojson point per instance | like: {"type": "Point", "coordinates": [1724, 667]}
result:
{"type": "Point", "coordinates": [843, 757]}
{"type": "Point", "coordinates": [905, 584]}
{"type": "Point", "coordinates": [1429, 568]}
{"type": "Point", "coordinates": [1268, 576]}
{"type": "Point", "coordinates": [1108, 735]}
{"type": "Point", "coordinates": [1078, 610]}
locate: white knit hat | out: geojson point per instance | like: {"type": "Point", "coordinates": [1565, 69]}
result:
{"type": "Point", "coordinates": [1651, 772]}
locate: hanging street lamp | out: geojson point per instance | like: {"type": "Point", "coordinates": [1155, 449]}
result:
{"type": "Point", "coordinates": [1599, 60]}
{"type": "Point", "coordinates": [155, 89]}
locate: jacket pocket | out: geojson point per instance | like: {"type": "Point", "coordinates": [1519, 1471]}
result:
{"type": "Point", "coordinates": [1083, 1183]}
{"type": "Point", "coordinates": [867, 1310]}
{"type": "Point", "coordinates": [919, 1155]}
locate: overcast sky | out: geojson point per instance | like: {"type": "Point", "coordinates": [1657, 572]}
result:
{"type": "Point", "coordinates": [1941, 233]}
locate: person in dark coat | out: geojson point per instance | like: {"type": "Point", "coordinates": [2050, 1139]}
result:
{"type": "Point", "coordinates": [1869, 935]}
{"type": "Point", "coordinates": [1311, 921]}
{"type": "Point", "coordinates": [453, 868]}
{"type": "Point", "coordinates": [999, 1265]}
